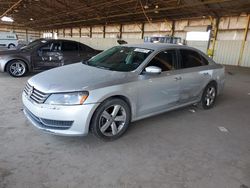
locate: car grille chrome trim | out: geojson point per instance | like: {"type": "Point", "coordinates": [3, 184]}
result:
{"type": "Point", "coordinates": [48, 123]}
{"type": "Point", "coordinates": [34, 94]}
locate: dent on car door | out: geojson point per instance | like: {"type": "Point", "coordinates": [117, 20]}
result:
{"type": "Point", "coordinates": [47, 56]}
{"type": "Point", "coordinates": [158, 92]}
{"type": "Point", "coordinates": [194, 74]}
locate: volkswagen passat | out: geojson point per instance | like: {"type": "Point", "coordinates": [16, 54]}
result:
{"type": "Point", "coordinates": [118, 86]}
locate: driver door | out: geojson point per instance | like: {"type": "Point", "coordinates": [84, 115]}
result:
{"type": "Point", "coordinates": [48, 56]}
{"type": "Point", "coordinates": [158, 92]}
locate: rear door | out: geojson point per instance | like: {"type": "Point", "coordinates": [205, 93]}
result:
{"type": "Point", "coordinates": [158, 92]}
{"type": "Point", "coordinates": [47, 56]}
{"type": "Point", "coordinates": [70, 51]}
{"type": "Point", "coordinates": [194, 75]}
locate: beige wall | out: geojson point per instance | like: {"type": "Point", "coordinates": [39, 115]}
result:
{"type": "Point", "coordinates": [101, 43]}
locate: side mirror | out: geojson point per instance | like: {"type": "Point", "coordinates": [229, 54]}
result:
{"type": "Point", "coordinates": [153, 70]}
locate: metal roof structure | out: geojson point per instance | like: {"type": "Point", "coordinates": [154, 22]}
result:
{"type": "Point", "coordinates": [50, 14]}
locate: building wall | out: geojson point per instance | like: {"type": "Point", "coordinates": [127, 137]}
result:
{"type": "Point", "coordinates": [23, 34]}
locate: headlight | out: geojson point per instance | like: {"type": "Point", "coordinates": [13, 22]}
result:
{"type": "Point", "coordinates": [73, 98]}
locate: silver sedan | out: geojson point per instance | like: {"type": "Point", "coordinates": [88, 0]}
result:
{"type": "Point", "coordinates": [118, 86]}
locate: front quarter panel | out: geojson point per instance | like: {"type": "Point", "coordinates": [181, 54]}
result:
{"type": "Point", "coordinates": [128, 90]}
{"type": "Point", "coordinates": [4, 60]}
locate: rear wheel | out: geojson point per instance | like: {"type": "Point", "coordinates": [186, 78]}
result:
{"type": "Point", "coordinates": [17, 68]}
{"type": "Point", "coordinates": [209, 96]}
{"type": "Point", "coordinates": [111, 119]}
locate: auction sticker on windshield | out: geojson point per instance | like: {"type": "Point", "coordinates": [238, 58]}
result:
{"type": "Point", "coordinates": [142, 50]}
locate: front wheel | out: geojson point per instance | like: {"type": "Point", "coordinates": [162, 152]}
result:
{"type": "Point", "coordinates": [111, 119]}
{"type": "Point", "coordinates": [209, 96]}
{"type": "Point", "coordinates": [17, 68]}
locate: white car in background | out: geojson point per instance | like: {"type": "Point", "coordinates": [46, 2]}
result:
{"type": "Point", "coordinates": [8, 39]}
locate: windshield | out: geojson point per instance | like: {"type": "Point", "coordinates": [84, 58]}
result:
{"type": "Point", "coordinates": [33, 44]}
{"type": "Point", "coordinates": [120, 58]}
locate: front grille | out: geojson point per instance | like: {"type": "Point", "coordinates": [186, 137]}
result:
{"type": "Point", "coordinates": [34, 94]}
{"type": "Point", "coordinates": [48, 123]}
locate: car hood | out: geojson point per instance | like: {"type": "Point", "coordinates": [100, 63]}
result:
{"type": "Point", "coordinates": [78, 77]}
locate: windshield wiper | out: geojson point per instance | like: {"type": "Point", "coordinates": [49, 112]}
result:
{"type": "Point", "coordinates": [101, 67]}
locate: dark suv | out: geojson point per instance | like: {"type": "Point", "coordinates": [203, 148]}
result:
{"type": "Point", "coordinates": [44, 54]}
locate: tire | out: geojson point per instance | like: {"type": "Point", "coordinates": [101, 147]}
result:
{"type": "Point", "coordinates": [111, 119]}
{"type": "Point", "coordinates": [209, 96]}
{"type": "Point", "coordinates": [17, 68]}
{"type": "Point", "coordinates": [11, 46]}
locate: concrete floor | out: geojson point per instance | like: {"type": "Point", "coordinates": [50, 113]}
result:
{"type": "Point", "coordinates": [178, 149]}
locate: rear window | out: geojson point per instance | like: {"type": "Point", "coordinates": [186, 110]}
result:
{"type": "Point", "coordinates": [191, 59]}
{"type": "Point", "coordinates": [69, 46]}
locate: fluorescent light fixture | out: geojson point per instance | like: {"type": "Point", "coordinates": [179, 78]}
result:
{"type": "Point", "coordinates": [198, 36]}
{"type": "Point", "coordinates": [7, 19]}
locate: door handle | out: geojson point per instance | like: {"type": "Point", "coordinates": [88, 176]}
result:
{"type": "Point", "coordinates": [205, 73]}
{"type": "Point", "coordinates": [178, 78]}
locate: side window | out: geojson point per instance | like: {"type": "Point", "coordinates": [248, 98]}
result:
{"type": "Point", "coordinates": [165, 60]}
{"type": "Point", "coordinates": [69, 46]}
{"type": "Point", "coordinates": [56, 47]}
{"type": "Point", "coordinates": [50, 47]}
{"type": "Point", "coordinates": [45, 48]}
{"type": "Point", "coordinates": [84, 48]}
{"type": "Point", "coordinates": [190, 59]}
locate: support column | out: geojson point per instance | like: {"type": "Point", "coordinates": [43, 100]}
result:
{"type": "Point", "coordinates": [142, 30]}
{"type": "Point", "coordinates": [244, 41]}
{"type": "Point", "coordinates": [71, 32]}
{"type": "Point", "coordinates": [90, 32]}
{"type": "Point", "coordinates": [104, 31]}
{"type": "Point", "coordinates": [26, 35]}
{"type": "Point", "coordinates": [120, 32]}
{"type": "Point", "coordinates": [215, 28]}
{"type": "Point", "coordinates": [172, 28]}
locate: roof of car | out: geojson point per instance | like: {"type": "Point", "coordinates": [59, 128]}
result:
{"type": "Point", "coordinates": [58, 40]}
{"type": "Point", "coordinates": [156, 46]}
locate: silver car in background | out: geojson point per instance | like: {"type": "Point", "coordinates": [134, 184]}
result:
{"type": "Point", "coordinates": [118, 86]}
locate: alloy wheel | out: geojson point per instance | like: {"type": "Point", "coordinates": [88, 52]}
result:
{"type": "Point", "coordinates": [17, 69]}
{"type": "Point", "coordinates": [112, 120]}
{"type": "Point", "coordinates": [210, 96]}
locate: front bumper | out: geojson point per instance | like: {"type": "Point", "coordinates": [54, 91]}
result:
{"type": "Point", "coordinates": [59, 120]}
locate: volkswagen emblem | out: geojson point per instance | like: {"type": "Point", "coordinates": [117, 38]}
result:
{"type": "Point", "coordinates": [30, 91]}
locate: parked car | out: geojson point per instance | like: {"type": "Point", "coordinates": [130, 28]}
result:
{"type": "Point", "coordinates": [118, 86]}
{"type": "Point", "coordinates": [8, 39]}
{"type": "Point", "coordinates": [42, 55]}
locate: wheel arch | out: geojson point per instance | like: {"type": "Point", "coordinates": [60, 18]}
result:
{"type": "Point", "coordinates": [122, 97]}
{"type": "Point", "coordinates": [115, 96]}
{"type": "Point", "coordinates": [212, 82]}
{"type": "Point", "coordinates": [11, 44]}
{"type": "Point", "coordinates": [16, 59]}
